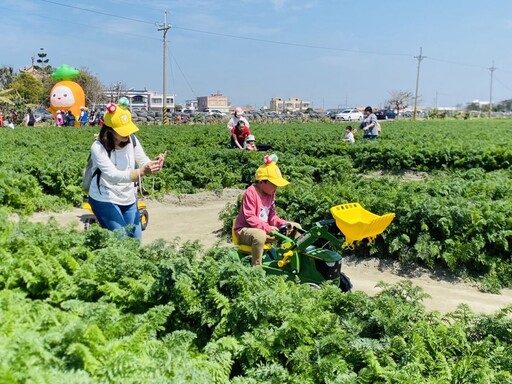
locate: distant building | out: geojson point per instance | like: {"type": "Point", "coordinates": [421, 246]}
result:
{"type": "Point", "coordinates": [214, 101]}
{"type": "Point", "coordinates": [191, 104]}
{"type": "Point", "coordinates": [34, 72]}
{"type": "Point", "coordinates": [156, 102]}
{"type": "Point", "coordinates": [291, 105]}
{"type": "Point", "coordinates": [277, 104]}
{"type": "Point", "coordinates": [141, 99]}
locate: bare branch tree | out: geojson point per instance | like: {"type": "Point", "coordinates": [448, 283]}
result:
{"type": "Point", "coordinates": [399, 100]}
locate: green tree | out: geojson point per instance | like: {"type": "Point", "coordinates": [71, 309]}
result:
{"type": "Point", "coordinates": [28, 87]}
{"type": "Point", "coordinates": [6, 77]}
{"type": "Point", "coordinates": [92, 87]}
{"type": "Point", "coordinates": [42, 62]}
{"type": "Point", "coordinates": [473, 107]}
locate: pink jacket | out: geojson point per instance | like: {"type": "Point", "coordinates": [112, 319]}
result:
{"type": "Point", "coordinates": [59, 119]}
{"type": "Point", "coordinates": [253, 214]}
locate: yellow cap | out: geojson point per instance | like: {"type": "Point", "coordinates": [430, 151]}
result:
{"type": "Point", "coordinates": [120, 120]}
{"type": "Point", "coordinates": [272, 173]}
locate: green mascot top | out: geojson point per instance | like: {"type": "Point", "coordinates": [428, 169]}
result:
{"type": "Point", "coordinates": [65, 72]}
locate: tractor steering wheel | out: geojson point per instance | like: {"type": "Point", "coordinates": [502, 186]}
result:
{"type": "Point", "coordinates": [283, 229]}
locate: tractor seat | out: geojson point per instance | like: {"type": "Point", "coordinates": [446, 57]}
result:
{"type": "Point", "coordinates": [243, 248]}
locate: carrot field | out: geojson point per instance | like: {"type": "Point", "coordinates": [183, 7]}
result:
{"type": "Point", "coordinates": [87, 307]}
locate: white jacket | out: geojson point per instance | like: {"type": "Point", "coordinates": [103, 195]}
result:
{"type": "Point", "coordinates": [116, 185]}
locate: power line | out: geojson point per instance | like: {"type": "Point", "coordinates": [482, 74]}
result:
{"type": "Point", "coordinates": [183, 74]}
{"type": "Point", "coordinates": [231, 36]}
{"type": "Point", "coordinates": [97, 12]}
{"type": "Point", "coordinates": [292, 44]}
{"type": "Point", "coordinates": [457, 63]}
{"type": "Point", "coordinates": [268, 41]}
{"type": "Point", "coordinates": [502, 83]}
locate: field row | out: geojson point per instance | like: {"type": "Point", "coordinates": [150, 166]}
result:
{"type": "Point", "coordinates": [455, 213]}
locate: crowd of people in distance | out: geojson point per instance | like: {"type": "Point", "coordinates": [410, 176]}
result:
{"type": "Point", "coordinates": [67, 119]}
{"type": "Point", "coordinates": [242, 138]}
{"type": "Point", "coordinates": [62, 118]}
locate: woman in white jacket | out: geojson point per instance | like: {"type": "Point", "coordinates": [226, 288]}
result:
{"type": "Point", "coordinates": [115, 154]}
{"type": "Point", "coordinates": [238, 115]}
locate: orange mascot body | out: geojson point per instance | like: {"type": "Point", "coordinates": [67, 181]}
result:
{"type": "Point", "coordinates": [66, 94]}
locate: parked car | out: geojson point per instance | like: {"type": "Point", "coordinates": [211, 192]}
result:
{"type": "Point", "coordinates": [42, 115]}
{"type": "Point", "coordinates": [385, 114]}
{"type": "Point", "coordinates": [350, 115]}
{"type": "Point", "coordinates": [211, 112]}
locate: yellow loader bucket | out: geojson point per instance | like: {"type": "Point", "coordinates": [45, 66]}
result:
{"type": "Point", "coordinates": [356, 223]}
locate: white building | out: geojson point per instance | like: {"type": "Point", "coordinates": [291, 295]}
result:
{"type": "Point", "coordinates": [141, 99]}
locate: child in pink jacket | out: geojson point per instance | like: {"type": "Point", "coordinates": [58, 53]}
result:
{"type": "Point", "coordinates": [257, 217]}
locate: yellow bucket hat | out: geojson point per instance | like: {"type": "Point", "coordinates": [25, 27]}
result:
{"type": "Point", "coordinates": [120, 119]}
{"type": "Point", "coordinates": [271, 172]}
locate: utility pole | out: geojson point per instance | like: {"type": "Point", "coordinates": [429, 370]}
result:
{"type": "Point", "coordinates": [419, 58]}
{"type": "Point", "coordinates": [492, 69]}
{"type": "Point", "coordinates": [164, 27]}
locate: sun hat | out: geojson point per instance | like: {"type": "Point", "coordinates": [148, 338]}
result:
{"type": "Point", "coordinates": [239, 111]}
{"type": "Point", "coordinates": [251, 138]}
{"type": "Point", "coordinates": [271, 172]}
{"type": "Point", "coordinates": [120, 119]}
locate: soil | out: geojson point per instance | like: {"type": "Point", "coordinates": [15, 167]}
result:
{"type": "Point", "coordinates": [195, 217]}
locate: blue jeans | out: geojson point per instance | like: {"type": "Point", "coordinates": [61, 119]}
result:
{"type": "Point", "coordinates": [124, 218]}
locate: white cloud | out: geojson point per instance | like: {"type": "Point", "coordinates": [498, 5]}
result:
{"type": "Point", "coordinates": [278, 4]}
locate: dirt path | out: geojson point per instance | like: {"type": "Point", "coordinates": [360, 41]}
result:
{"type": "Point", "coordinates": [195, 217]}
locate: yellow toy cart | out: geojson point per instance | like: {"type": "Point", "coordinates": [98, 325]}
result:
{"type": "Point", "coordinates": [89, 218]}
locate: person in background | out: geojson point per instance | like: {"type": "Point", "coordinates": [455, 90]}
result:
{"type": "Point", "coordinates": [239, 134]}
{"type": "Point", "coordinates": [257, 218]}
{"type": "Point", "coordinates": [8, 123]}
{"type": "Point", "coordinates": [349, 136]}
{"type": "Point", "coordinates": [250, 144]}
{"type": "Point", "coordinates": [118, 161]}
{"type": "Point", "coordinates": [59, 120]}
{"type": "Point", "coordinates": [92, 118]}
{"type": "Point", "coordinates": [238, 115]}
{"type": "Point", "coordinates": [65, 117]}
{"type": "Point", "coordinates": [84, 116]}
{"type": "Point", "coordinates": [70, 119]}
{"type": "Point", "coordinates": [369, 124]}
{"type": "Point", "coordinates": [14, 116]}
{"type": "Point", "coordinates": [29, 120]}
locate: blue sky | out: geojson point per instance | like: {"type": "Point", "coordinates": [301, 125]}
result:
{"type": "Point", "coordinates": [330, 52]}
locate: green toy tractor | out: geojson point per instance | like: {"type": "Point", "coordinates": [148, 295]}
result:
{"type": "Point", "coordinates": [306, 255]}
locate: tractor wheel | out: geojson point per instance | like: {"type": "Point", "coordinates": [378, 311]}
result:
{"type": "Point", "coordinates": [88, 223]}
{"type": "Point", "coordinates": [345, 283]}
{"type": "Point", "coordinates": [144, 219]}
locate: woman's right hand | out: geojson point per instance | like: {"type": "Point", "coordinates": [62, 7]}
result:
{"type": "Point", "coordinates": [151, 168]}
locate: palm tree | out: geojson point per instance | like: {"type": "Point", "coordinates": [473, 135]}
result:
{"type": "Point", "coordinates": [6, 96]}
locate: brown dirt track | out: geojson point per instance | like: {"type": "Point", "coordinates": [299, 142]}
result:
{"type": "Point", "coordinates": [195, 217]}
